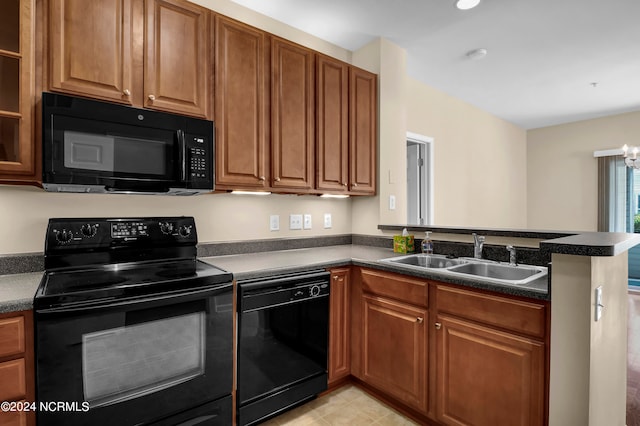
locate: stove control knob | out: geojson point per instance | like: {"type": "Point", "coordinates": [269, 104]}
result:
{"type": "Point", "coordinates": [314, 291]}
{"type": "Point", "coordinates": [166, 228]}
{"type": "Point", "coordinates": [184, 231]}
{"type": "Point", "coordinates": [63, 236]}
{"type": "Point", "coordinates": [88, 230]}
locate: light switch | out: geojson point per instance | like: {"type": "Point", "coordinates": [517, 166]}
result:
{"type": "Point", "coordinates": [274, 222]}
{"type": "Point", "coordinates": [599, 305]}
{"type": "Point", "coordinates": [307, 221]}
{"type": "Point", "coordinates": [392, 202]}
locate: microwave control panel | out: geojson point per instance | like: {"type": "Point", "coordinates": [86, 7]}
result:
{"type": "Point", "coordinates": [199, 159]}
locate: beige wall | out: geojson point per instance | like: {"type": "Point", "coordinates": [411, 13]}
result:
{"type": "Point", "coordinates": [588, 358]}
{"type": "Point", "coordinates": [479, 160]}
{"type": "Point", "coordinates": [222, 217]}
{"type": "Point", "coordinates": [562, 174]}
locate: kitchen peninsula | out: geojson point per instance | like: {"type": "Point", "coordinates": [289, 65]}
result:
{"type": "Point", "coordinates": [587, 358]}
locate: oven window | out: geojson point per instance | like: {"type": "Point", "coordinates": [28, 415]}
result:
{"type": "Point", "coordinates": [128, 362]}
{"type": "Point", "coordinates": [118, 154]}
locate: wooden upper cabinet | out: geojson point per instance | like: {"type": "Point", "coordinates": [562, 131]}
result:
{"type": "Point", "coordinates": [292, 115]}
{"type": "Point", "coordinates": [100, 49]}
{"type": "Point", "coordinates": [363, 111]}
{"type": "Point", "coordinates": [90, 46]}
{"type": "Point", "coordinates": [241, 109]}
{"type": "Point", "coordinates": [177, 61]}
{"type": "Point", "coordinates": [332, 124]}
{"type": "Point", "coordinates": [18, 157]}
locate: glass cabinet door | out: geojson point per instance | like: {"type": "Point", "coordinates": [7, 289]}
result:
{"type": "Point", "coordinates": [17, 160]}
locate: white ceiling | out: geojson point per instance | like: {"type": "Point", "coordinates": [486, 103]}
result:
{"type": "Point", "coordinates": [542, 56]}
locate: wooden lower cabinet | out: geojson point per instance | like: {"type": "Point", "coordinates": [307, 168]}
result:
{"type": "Point", "coordinates": [339, 335]}
{"type": "Point", "coordinates": [394, 353]}
{"type": "Point", "coordinates": [447, 354]}
{"type": "Point", "coordinates": [17, 381]}
{"type": "Point", "coordinates": [487, 377]}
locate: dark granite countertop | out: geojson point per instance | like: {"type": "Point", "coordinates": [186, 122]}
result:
{"type": "Point", "coordinates": [255, 265]}
{"type": "Point", "coordinates": [592, 244]}
{"type": "Point", "coordinates": [17, 291]}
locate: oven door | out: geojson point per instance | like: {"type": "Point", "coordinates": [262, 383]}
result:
{"type": "Point", "coordinates": [136, 362]}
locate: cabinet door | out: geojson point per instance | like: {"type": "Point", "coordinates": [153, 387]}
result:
{"type": "Point", "coordinates": [487, 377]}
{"type": "Point", "coordinates": [394, 340]}
{"type": "Point", "coordinates": [177, 61]}
{"type": "Point", "coordinates": [91, 48]}
{"type": "Point", "coordinates": [339, 336]}
{"type": "Point", "coordinates": [17, 150]}
{"type": "Point", "coordinates": [292, 115]}
{"type": "Point", "coordinates": [332, 121]}
{"type": "Point", "coordinates": [363, 110]}
{"type": "Point", "coordinates": [241, 105]}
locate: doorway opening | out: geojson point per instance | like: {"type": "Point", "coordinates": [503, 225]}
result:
{"type": "Point", "coordinates": [419, 179]}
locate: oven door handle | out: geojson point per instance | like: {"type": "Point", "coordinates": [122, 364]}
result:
{"type": "Point", "coordinates": [182, 155]}
{"type": "Point", "coordinates": [146, 301]}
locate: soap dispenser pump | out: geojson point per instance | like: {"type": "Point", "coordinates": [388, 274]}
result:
{"type": "Point", "coordinates": [427, 244]}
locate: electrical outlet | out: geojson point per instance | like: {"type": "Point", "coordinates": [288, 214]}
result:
{"type": "Point", "coordinates": [274, 222]}
{"type": "Point", "coordinates": [327, 220]}
{"type": "Point", "coordinates": [392, 202]}
{"type": "Point", "coordinates": [295, 221]}
{"type": "Point", "coordinates": [307, 221]}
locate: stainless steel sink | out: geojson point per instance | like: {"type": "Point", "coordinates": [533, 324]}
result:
{"type": "Point", "coordinates": [426, 261]}
{"type": "Point", "coordinates": [482, 270]}
{"type": "Point", "coordinates": [498, 271]}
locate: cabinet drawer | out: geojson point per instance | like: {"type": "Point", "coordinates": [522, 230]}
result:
{"type": "Point", "coordinates": [395, 286]}
{"type": "Point", "coordinates": [12, 380]}
{"type": "Point", "coordinates": [523, 317]}
{"type": "Point", "coordinates": [13, 418]}
{"type": "Point", "coordinates": [11, 336]}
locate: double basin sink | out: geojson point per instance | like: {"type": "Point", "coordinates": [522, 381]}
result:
{"type": "Point", "coordinates": [484, 270]}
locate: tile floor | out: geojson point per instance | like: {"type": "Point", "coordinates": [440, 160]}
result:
{"type": "Point", "coordinates": [345, 406]}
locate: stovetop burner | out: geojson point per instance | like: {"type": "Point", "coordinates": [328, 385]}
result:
{"type": "Point", "coordinates": [89, 260]}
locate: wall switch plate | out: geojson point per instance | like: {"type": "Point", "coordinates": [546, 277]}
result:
{"type": "Point", "coordinates": [307, 221]}
{"type": "Point", "coordinates": [599, 305]}
{"type": "Point", "coordinates": [327, 220]}
{"type": "Point", "coordinates": [295, 221]}
{"type": "Point", "coordinates": [274, 222]}
{"type": "Point", "coordinates": [392, 202]}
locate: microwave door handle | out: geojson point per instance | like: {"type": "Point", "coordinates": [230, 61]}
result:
{"type": "Point", "coordinates": [182, 152]}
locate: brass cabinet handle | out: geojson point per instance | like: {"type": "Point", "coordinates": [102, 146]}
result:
{"type": "Point", "coordinates": [126, 92]}
{"type": "Point", "coordinates": [277, 179]}
{"type": "Point", "coordinates": [335, 277]}
{"type": "Point", "coordinates": [438, 326]}
{"type": "Point", "coordinates": [419, 320]}
{"type": "Point", "coordinates": [344, 183]}
{"type": "Point", "coordinates": [262, 178]}
{"type": "Point", "coordinates": [355, 184]}
{"type": "Point", "coordinates": [152, 98]}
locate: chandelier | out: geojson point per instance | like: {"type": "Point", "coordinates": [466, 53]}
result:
{"type": "Point", "coordinates": [631, 160]}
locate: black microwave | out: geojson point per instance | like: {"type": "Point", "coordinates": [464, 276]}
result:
{"type": "Point", "coordinates": [94, 146]}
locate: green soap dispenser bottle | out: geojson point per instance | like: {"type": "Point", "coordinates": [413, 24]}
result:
{"type": "Point", "coordinates": [427, 244]}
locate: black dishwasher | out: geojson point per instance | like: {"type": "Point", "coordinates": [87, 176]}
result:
{"type": "Point", "coordinates": [283, 334]}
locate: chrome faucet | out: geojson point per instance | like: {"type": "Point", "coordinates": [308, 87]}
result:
{"type": "Point", "coordinates": [478, 242]}
{"type": "Point", "coordinates": [512, 255]}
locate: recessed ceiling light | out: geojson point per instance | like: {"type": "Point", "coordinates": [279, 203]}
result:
{"type": "Point", "coordinates": [467, 4]}
{"type": "Point", "coordinates": [477, 53]}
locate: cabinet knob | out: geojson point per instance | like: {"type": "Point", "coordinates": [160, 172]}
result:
{"type": "Point", "coordinates": [262, 178]}
{"type": "Point", "coordinates": [419, 320]}
{"type": "Point", "coordinates": [126, 92]}
{"type": "Point", "coordinates": [277, 179]}
{"type": "Point", "coordinates": [438, 326]}
{"type": "Point", "coordinates": [355, 184]}
{"type": "Point", "coordinates": [344, 183]}
{"type": "Point", "coordinates": [152, 98]}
